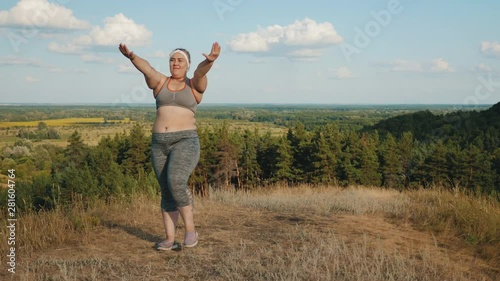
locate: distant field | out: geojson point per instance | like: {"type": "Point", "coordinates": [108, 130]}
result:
{"type": "Point", "coordinates": [62, 122]}
{"type": "Point", "coordinates": [93, 129]}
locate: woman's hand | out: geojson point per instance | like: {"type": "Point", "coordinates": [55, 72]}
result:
{"type": "Point", "coordinates": [125, 51]}
{"type": "Point", "coordinates": [214, 53]}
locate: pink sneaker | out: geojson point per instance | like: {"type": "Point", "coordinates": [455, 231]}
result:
{"type": "Point", "coordinates": [191, 239]}
{"type": "Point", "coordinates": [166, 246]}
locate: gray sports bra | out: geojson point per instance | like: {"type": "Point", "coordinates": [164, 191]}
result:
{"type": "Point", "coordinates": [183, 98]}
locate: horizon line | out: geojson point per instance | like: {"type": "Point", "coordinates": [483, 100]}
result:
{"type": "Point", "coordinates": [232, 103]}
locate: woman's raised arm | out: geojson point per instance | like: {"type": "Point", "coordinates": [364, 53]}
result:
{"type": "Point", "coordinates": [153, 77]}
{"type": "Point", "coordinates": [200, 74]}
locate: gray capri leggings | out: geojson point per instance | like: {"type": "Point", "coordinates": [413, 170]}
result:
{"type": "Point", "coordinates": [174, 156]}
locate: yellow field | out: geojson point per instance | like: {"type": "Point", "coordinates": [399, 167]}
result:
{"type": "Point", "coordinates": [60, 122]}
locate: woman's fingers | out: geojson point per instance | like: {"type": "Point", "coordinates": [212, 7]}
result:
{"type": "Point", "coordinates": [125, 51]}
{"type": "Point", "coordinates": [215, 49]}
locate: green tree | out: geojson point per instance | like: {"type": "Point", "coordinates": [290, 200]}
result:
{"type": "Point", "coordinates": [41, 158]}
{"type": "Point", "coordinates": [249, 167]}
{"type": "Point", "coordinates": [227, 155]}
{"type": "Point", "coordinates": [283, 171]}
{"type": "Point", "coordinates": [136, 157]}
{"type": "Point", "coordinates": [77, 183]}
{"type": "Point", "coordinates": [496, 167]}
{"type": "Point", "coordinates": [406, 146]}
{"type": "Point", "coordinates": [300, 142]}
{"type": "Point", "coordinates": [53, 134]}
{"type": "Point", "coordinates": [42, 126]}
{"type": "Point", "coordinates": [267, 155]}
{"type": "Point", "coordinates": [369, 162]}
{"type": "Point", "coordinates": [350, 158]}
{"type": "Point", "coordinates": [392, 169]}
{"type": "Point", "coordinates": [456, 165]}
{"type": "Point", "coordinates": [76, 150]}
{"type": "Point", "coordinates": [110, 179]}
{"type": "Point", "coordinates": [324, 160]}
{"type": "Point", "coordinates": [435, 165]}
{"type": "Point", "coordinates": [479, 171]}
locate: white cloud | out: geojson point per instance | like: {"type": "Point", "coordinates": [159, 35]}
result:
{"type": "Point", "coordinates": [303, 37]}
{"type": "Point", "coordinates": [304, 59]}
{"type": "Point", "coordinates": [126, 68]}
{"type": "Point", "coordinates": [117, 29]}
{"type": "Point", "coordinates": [42, 14]}
{"type": "Point", "coordinates": [306, 53]}
{"type": "Point", "coordinates": [95, 58]}
{"type": "Point", "coordinates": [440, 65]}
{"type": "Point", "coordinates": [12, 60]}
{"type": "Point", "coordinates": [31, 79]}
{"type": "Point", "coordinates": [339, 73]}
{"type": "Point", "coordinates": [437, 66]}
{"type": "Point", "coordinates": [69, 48]}
{"type": "Point", "coordinates": [161, 54]}
{"type": "Point", "coordinates": [400, 66]}
{"type": "Point", "coordinates": [54, 69]}
{"type": "Point", "coordinates": [258, 61]}
{"type": "Point", "coordinates": [483, 68]}
{"type": "Point", "coordinates": [406, 66]}
{"type": "Point", "coordinates": [80, 71]}
{"type": "Point", "coordinates": [490, 48]}
{"type": "Point", "coordinates": [250, 42]}
{"type": "Point", "coordinates": [309, 33]}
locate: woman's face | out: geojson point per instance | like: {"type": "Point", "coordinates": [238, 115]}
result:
{"type": "Point", "coordinates": [178, 65]}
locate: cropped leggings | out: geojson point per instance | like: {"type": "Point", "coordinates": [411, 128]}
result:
{"type": "Point", "coordinates": [174, 156]}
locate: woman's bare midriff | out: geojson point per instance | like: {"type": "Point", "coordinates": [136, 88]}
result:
{"type": "Point", "coordinates": [173, 118]}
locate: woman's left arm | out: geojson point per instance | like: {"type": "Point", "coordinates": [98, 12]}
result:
{"type": "Point", "coordinates": [199, 81]}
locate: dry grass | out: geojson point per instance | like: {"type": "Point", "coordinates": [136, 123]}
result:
{"type": "Point", "coordinates": [319, 200]}
{"type": "Point", "coordinates": [39, 231]}
{"type": "Point", "coordinates": [268, 234]}
{"type": "Point", "coordinates": [474, 219]}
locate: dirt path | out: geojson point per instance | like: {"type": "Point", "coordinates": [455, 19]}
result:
{"type": "Point", "coordinates": [230, 236]}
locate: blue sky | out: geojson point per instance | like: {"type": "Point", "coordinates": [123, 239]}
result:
{"type": "Point", "coordinates": [320, 52]}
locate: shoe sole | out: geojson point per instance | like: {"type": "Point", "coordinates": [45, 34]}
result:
{"type": "Point", "coordinates": [174, 247]}
{"type": "Point", "coordinates": [164, 249]}
{"type": "Point", "coordinates": [191, 245]}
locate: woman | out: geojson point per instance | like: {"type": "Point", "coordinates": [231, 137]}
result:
{"type": "Point", "coordinates": [175, 148]}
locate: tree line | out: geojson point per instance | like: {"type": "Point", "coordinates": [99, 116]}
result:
{"type": "Point", "coordinates": [120, 166]}
{"type": "Point", "coordinates": [327, 155]}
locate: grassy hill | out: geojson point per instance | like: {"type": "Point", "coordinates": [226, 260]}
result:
{"type": "Point", "coordinates": [303, 233]}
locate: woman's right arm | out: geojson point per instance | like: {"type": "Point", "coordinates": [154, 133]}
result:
{"type": "Point", "coordinates": [153, 77]}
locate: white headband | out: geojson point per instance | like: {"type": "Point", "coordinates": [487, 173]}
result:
{"type": "Point", "coordinates": [183, 53]}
